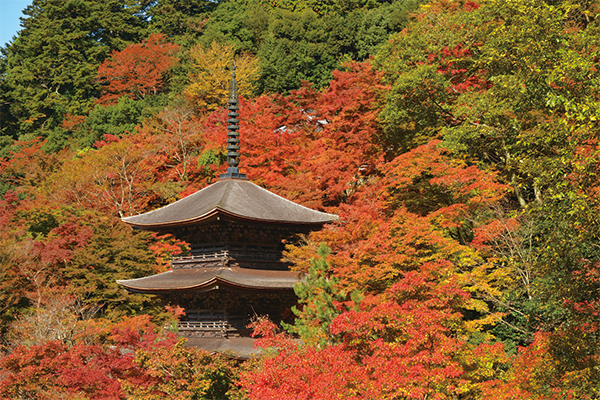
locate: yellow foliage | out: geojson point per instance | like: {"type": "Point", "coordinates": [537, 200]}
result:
{"type": "Point", "coordinates": [211, 75]}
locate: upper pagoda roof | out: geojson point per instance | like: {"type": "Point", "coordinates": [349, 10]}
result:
{"type": "Point", "coordinates": [232, 198]}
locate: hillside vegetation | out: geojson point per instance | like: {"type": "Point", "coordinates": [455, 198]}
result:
{"type": "Point", "coordinates": [458, 141]}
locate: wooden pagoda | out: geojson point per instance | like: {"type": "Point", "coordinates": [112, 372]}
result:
{"type": "Point", "coordinates": [236, 231]}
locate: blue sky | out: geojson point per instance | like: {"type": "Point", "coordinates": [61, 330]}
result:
{"type": "Point", "coordinates": [10, 11]}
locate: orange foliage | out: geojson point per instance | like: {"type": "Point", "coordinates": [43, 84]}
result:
{"type": "Point", "coordinates": [310, 147]}
{"type": "Point", "coordinates": [138, 70]}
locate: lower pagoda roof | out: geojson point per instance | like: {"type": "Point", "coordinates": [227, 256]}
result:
{"type": "Point", "coordinates": [212, 278]}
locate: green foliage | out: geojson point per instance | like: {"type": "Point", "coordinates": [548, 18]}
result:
{"type": "Point", "coordinates": [114, 252]}
{"type": "Point", "coordinates": [568, 284]}
{"type": "Point", "coordinates": [370, 27]}
{"type": "Point", "coordinates": [241, 23]}
{"type": "Point", "coordinates": [298, 41]}
{"type": "Point", "coordinates": [493, 81]}
{"type": "Point", "coordinates": [5, 144]}
{"type": "Point", "coordinates": [300, 46]}
{"type": "Point", "coordinates": [211, 157]}
{"type": "Point", "coordinates": [303, 45]}
{"type": "Point", "coordinates": [118, 120]}
{"type": "Point", "coordinates": [50, 68]}
{"type": "Point", "coordinates": [321, 6]}
{"type": "Point", "coordinates": [321, 300]}
{"type": "Point", "coordinates": [180, 372]}
{"type": "Point", "coordinates": [181, 21]}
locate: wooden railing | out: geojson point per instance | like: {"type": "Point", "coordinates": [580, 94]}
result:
{"type": "Point", "coordinates": [212, 320]}
{"type": "Point", "coordinates": [232, 250]}
{"type": "Point", "coordinates": [205, 326]}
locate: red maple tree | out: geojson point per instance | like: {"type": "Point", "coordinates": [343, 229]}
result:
{"type": "Point", "coordinates": [138, 70]}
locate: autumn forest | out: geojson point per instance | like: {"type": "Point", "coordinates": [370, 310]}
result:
{"type": "Point", "coordinates": [458, 142]}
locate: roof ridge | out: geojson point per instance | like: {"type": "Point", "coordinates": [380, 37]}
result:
{"type": "Point", "coordinates": [293, 202]}
{"type": "Point", "coordinates": [225, 195]}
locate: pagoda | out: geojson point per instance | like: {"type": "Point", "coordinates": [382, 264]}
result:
{"type": "Point", "coordinates": [234, 269]}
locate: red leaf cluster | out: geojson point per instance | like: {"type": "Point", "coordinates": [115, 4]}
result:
{"type": "Point", "coordinates": [95, 371]}
{"type": "Point", "coordinates": [138, 70]}
{"type": "Point", "coordinates": [313, 148]}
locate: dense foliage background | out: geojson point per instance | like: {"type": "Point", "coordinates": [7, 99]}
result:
{"type": "Point", "coordinates": [457, 141]}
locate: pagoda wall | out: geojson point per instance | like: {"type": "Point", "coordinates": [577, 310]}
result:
{"type": "Point", "coordinates": [221, 231]}
{"type": "Point", "coordinates": [223, 242]}
{"type": "Point", "coordinates": [223, 313]}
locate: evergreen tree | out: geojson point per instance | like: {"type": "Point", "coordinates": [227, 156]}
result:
{"type": "Point", "coordinates": [321, 301]}
{"type": "Point", "coordinates": [242, 23]}
{"type": "Point", "coordinates": [49, 70]}
{"type": "Point", "coordinates": [305, 40]}
{"type": "Point", "coordinates": [181, 21]}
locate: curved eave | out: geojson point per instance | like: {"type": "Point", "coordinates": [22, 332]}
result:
{"type": "Point", "coordinates": [213, 284]}
{"type": "Point", "coordinates": [209, 216]}
{"type": "Point", "coordinates": [219, 212]}
{"type": "Point", "coordinates": [206, 279]}
{"type": "Point", "coordinates": [236, 199]}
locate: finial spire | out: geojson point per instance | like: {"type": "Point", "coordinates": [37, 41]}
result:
{"type": "Point", "coordinates": [233, 141]}
{"type": "Point", "coordinates": [233, 95]}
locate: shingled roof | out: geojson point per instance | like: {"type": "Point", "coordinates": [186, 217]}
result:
{"type": "Point", "coordinates": [211, 278]}
{"type": "Point", "coordinates": [231, 198]}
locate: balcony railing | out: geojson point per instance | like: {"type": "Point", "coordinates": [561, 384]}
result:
{"type": "Point", "coordinates": [231, 250]}
{"type": "Point", "coordinates": [212, 323]}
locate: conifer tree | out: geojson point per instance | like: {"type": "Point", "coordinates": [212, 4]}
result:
{"type": "Point", "coordinates": [50, 67]}
{"type": "Point", "coordinates": [321, 301]}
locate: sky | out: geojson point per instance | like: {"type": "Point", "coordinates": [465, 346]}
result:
{"type": "Point", "coordinates": [10, 11]}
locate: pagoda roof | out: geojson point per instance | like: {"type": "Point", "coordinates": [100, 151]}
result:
{"type": "Point", "coordinates": [211, 278]}
{"type": "Point", "coordinates": [233, 198]}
